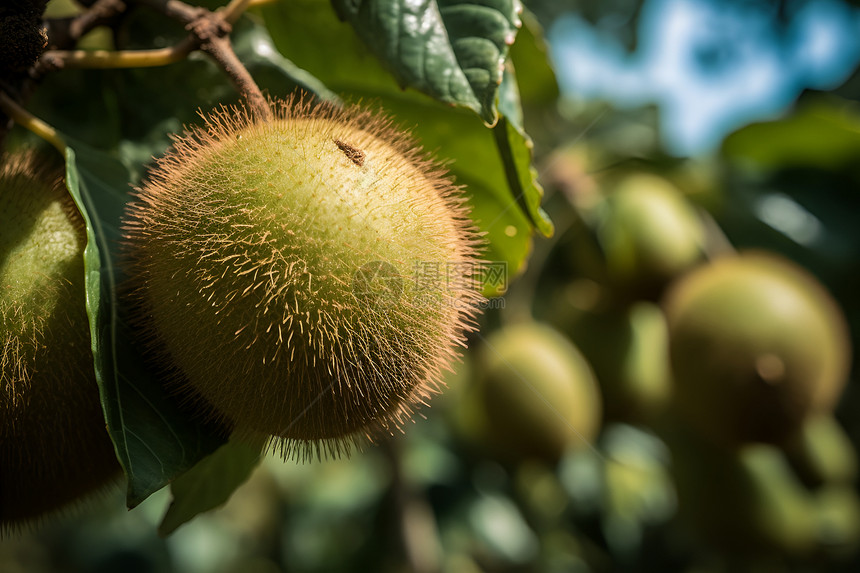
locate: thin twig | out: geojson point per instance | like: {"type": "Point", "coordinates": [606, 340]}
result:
{"type": "Point", "coordinates": [55, 59]}
{"type": "Point", "coordinates": [233, 10]}
{"type": "Point", "coordinates": [211, 32]}
{"type": "Point", "coordinates": [175, 9]}
{"type": "Point", "coordinates": [27, 120]}
{"type": "Point", "coordinates": [65, 32]}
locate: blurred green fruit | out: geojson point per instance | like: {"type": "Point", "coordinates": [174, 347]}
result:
{"type": "Point", "coordinates": [535, 395]}
{"type": "Point", "coordinates": [757, 345]}
{"type": "Point", "coordinates": [649, 233]}
{"type": "Point", "coordinates": [822, 453]}
{"type": "Point", "coordinates": [629, 351]}
{"type": "Point", "coordinates": [745, 501]}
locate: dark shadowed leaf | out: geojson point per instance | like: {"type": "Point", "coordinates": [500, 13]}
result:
{"type": "Point", "coordinates": [154, 440]}
{"type": "Point", "coordinates": [210, 483]}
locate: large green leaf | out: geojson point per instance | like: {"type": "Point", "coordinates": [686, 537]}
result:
{"type": "Point", "coordinates": [449, 49]}
{"type": "Point", "coordinates": [154, 439]}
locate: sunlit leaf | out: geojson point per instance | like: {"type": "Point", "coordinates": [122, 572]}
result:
{"type": "Point", "coordinates": [452, 50]}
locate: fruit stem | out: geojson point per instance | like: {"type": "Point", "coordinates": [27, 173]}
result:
{"type": "Point", "coordinates": [221, 50]}
{"type": "Point", "coordinates": [28, 121]}
{"type": "Point", "coordinates": [210, 31]}
{"type": "Point", "coordinates": [716, 242]}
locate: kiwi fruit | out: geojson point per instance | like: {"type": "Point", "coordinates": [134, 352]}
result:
{"type": "Point", "coordinates": [535, 396]}
{"type": "Point", "coordinates": [649, 234]}
{"type": "Point", "coordinates": [307, 278]}
{"type": "Point", "coordinates": [54, 446]}
{"type": "Point", "coordinates": [757, 346]}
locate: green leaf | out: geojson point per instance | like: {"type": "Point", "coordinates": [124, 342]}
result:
{"type": "Point", "coordinates": [272, 71]}
{"type": "Point", "coordinates": [155, 441]}
{"type": "Point", "coordinates": [452, 50]}
{"type": "Point", "coordinates": [823, 133]}
{"type": "Point", "coordinates": [517, 151]}
{"type": "Point", "coordinates": [530, 56]}
{"type": "Point", "coordinates": [209, 484]}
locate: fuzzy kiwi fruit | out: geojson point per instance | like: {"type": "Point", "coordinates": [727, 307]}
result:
{"type": "Point", "coordinates": [53, 443]}
{"type": "Point", "coordinates": [649, 234]}
{"type": "Point", "coordinates": [308, 277]}
{"type": "Point", "coordinates": [757, 346]}
{"type": "Point", "coordinates": [535, 396]}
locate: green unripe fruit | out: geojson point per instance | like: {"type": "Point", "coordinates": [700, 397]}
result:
{"type": "Point", "coordinates": [53, 443]}
{"type": "Point", "coordinates": [307, 276]}
{"type": "Point", "coordinates": [649, 233]}
{"type": "Point", "coordinates": [629, 351]}
{"type": "Point", "coordinates": [535, 396]}
{"type": "Point", "coordinates": [757, 346]}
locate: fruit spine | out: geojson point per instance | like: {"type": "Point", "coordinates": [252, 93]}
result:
{"type": "Point", "coordinates": [309, 277]}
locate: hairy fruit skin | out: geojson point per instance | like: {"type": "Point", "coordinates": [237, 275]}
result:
{"type": "Point", "coordinates": [280, 271]}
{"type": "Point", "coordinates": [53, 443]}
